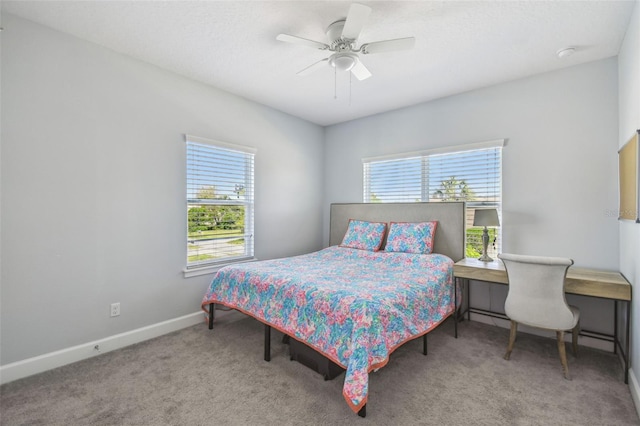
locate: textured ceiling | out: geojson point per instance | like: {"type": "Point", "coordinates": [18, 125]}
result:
{"type": "Point", "coordinates": [232, 45]}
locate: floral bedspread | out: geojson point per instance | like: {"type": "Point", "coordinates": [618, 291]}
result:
{"type": "Point", "coordinates": [354, 306]}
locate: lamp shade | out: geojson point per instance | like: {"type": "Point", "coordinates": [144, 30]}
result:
{"type": "Point", "coordinates": [486, 217]}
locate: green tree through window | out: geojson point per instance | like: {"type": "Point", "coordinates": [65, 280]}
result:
{"type": "Point", "coordinates": [219, 202]}
{"type": "Point", "coordinates": [453, 189]}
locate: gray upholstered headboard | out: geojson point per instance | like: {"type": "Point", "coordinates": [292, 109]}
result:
{"type": "Point", "coordinates": [450, 232]}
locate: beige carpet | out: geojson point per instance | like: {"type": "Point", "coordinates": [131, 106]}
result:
{"type": "Point", "coordinates": [202, 377]}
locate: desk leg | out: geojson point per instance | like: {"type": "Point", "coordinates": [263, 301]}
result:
{"type": "Point", "coordinates": [626, 343]}
{"type": "Point", "coordinates": [468, 299]}
{"type": "Point", "coordinates": [616, 337]}
{"type": "Point", "coordinates": [455, 309]}
{"type": "Point", "coordinates": [615, 327]}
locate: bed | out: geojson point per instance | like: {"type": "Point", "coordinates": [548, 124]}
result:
{"type": "Point", "coordinates": [355, 306]}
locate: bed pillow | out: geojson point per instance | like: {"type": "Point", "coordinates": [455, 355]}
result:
{"type": "Point", "coordinates": [408, 237]}
{"type": "Point", "coordinates": [364, 235]}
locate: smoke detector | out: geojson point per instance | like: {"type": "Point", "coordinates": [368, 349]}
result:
{"type": "Point", "coordinates": [566, 51]}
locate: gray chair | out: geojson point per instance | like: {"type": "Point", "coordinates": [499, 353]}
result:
{"type": "Point", "coordinates": [536, 298]}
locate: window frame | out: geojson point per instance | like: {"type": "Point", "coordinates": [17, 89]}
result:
{"type": "Point", "coordinates": [201, 267]}
{"type": "Point", "coordinates": [425, 189]}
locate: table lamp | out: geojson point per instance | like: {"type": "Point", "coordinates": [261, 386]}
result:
{"type": "Point", "coordinates": [485, 217]}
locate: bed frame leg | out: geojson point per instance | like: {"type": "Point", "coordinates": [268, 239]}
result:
{"type": "Point", "coordinates": [363, 411]}
{"type": "Point", "coordinates": [211, 314]}
{"type": "Point", "coordinates": [267, 343]}
{"type": "Point", "coordinates": [424, 344]}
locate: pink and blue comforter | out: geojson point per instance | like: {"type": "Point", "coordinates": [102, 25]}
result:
{"type": "Point", "coordinates": [354, 306]}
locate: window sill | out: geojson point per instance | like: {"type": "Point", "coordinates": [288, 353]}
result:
{"type": "Point", "coordinates": [210, 269]}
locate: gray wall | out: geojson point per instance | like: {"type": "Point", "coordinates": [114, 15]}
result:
{"type": "Point", "coordinates": [559, 165]}
{"type": "Point", "coordinates": [93, 188]}
{"type": "Point", "coordinates": [629, 83]}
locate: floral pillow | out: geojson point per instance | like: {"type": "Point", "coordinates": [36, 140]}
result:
{"type": "Point", "coordinates": [364, 235]}
{"type": "Point", "coordinates": [408, 237]}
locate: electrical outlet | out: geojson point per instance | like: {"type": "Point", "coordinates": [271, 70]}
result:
{"type": "Point", "coordinates": [115, 309]}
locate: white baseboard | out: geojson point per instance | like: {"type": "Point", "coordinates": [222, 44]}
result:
{"type": "Point", "coordinates": [20, 369]}
{"type": "Point", "coordinates": [635, 390]}
{"type": "Point", "coordinates": [582, 340]}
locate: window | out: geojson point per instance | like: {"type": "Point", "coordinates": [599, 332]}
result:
{"type": "Point", "coordinates": [470, 173]}
{"type": "Point", "coordinates": [220, 206]}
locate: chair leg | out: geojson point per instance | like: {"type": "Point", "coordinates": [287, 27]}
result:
{"type": "Point", "coordinates": [574, 339]}
{"type": "Point", "coordinates": [512, 339]}
{"type": "Point", "coordinates": [563, 354]}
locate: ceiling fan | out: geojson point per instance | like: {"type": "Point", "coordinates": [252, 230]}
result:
{"type": "Point", "coordinates": [343, 37]}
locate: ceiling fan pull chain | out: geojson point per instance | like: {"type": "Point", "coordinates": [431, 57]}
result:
{"type": "Point", "coordinates": [350, 84]}
{"type": "Point", "coordinates": [335, 83]}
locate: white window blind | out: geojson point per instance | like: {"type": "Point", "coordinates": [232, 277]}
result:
{"type": "Point", "coordinates": [220, 202]}
{"type": "Point", "coordinates": [471, 173]}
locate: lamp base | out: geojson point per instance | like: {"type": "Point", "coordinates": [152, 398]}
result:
{"type": "Point", "coordinates": [485, 244]}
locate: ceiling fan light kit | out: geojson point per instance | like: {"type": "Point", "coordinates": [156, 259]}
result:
{"type": "Point", "coordinates": [343, 61]}
{"type": "Point", "coordinates": [343, 37]}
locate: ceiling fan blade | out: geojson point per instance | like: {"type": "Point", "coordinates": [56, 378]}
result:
{"type": "Point", "coordinates": [311, 68]}
{"type": "Point", "coordinates": [360, 71]}
{"type": "Point", "coordinates": [357, 17]}
{"type": "Point", "coordinates": [303, 41]}
{"type": "Point", "coordinates": [388, 45]}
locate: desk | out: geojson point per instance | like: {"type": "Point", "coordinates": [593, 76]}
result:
{"type": "Point", "coordinates": [585, 282]}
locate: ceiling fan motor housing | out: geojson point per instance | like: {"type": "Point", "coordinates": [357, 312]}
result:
{"type": "Point", "coordinates": [334, 35]}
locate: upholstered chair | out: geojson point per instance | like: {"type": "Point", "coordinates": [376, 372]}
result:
{"type": "Point", "coordinates": [536, 298]}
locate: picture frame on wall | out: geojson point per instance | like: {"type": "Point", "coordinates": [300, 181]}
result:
{"type": "Point", "coordinates": [629, 159]}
